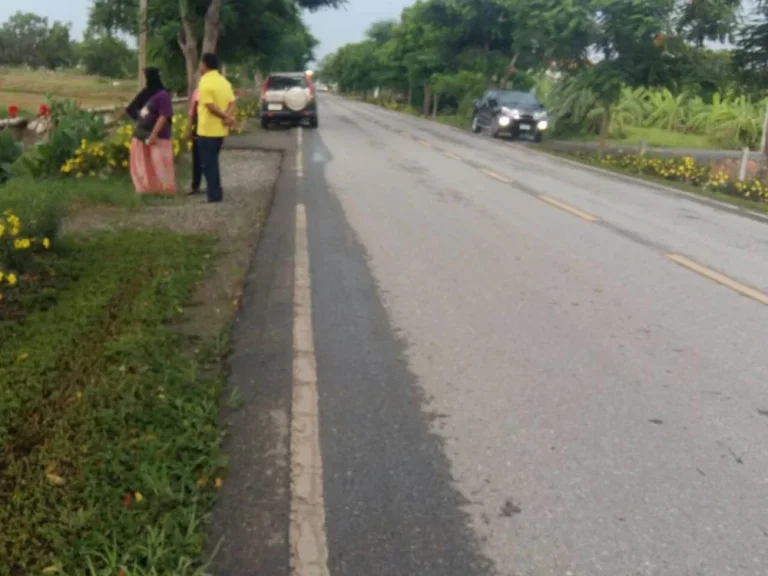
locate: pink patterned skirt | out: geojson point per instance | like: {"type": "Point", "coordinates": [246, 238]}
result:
{"type": "Point", "coordinates": [152, 168]}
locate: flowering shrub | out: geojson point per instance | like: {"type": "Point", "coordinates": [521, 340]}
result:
{"type": "Point", "coordinates": [16, 249]}
{"type": "Point", "coordinates": [103, 157]}
{"type": "Point", "coordinates": [686, 169]}
{"type": "Point", "coordinates": [247, 108]}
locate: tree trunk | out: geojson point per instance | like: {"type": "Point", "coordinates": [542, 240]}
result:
{"type": "Point", "coordinates": [511, 71]}
{"type": "Point", "coordinates": [427, 98]}
{"type": "Point", "coordinates": [410, 93]}
{"type": "Point", "coordinates": [435, 102]}
{"type": "Point", "coordinates": [604, 126]}
{"type": "Point", "coordinates": [142, 41]}
{"type": "Point", "coordinates": [188, 44]}
{"type": "Point", "coordinates": [212, 27]}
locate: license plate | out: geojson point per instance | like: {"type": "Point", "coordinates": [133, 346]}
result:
{"type": "Point", "coordinates": [525, 127]}
{"type": "Point", "coordinates": [275, 106]}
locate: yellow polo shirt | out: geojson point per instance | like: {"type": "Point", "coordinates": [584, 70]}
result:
{"type": "Point", "coordinates": [213, 89]}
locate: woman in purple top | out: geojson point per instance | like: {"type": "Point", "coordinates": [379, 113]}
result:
{"type": "Point", "coordinates": [152, 167]}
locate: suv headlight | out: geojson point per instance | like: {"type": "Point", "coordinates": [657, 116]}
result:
{"type": "Point", "coordinates": [504, 120]}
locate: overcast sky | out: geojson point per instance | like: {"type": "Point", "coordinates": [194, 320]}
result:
{"type": "Point", "coordinates": [333, 28]}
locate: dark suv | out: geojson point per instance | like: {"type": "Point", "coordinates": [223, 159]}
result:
{"type": "Point", "coordinates": [288, 97]}
{"type": "Point", "coordinates": [513, 113]}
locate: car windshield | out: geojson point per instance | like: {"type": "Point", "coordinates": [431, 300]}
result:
{"type": "Point", "coordinates": [512, 99]}
{"type": "Point", "coordinates": [285, 82]}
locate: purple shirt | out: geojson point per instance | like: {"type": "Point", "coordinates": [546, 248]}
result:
{"type": "Point", "coordinates": [159, 105]}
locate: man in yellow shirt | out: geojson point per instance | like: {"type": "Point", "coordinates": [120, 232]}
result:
{"type": "Point", "coordinates": [215, 116]}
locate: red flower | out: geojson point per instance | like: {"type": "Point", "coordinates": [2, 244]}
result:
{"type": "Point", "coordinates": [43, 110]}
{"type": "Point", "coordinates": [13, 111]}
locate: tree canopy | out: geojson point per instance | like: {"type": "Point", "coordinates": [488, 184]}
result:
{"type": "Point", "coordinates": [445, 52]}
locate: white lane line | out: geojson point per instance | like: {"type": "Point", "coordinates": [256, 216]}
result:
{"type": "Point", "coordinates": [300, 153]}
{"type": "Point", "coordinates": [425, 143]}
{"type": "Point", "coordinates": [719, 278]}
{"type": "Point", "coordinates": [307, 535]}
{"type": "Point", "coordinates": [452, 156]}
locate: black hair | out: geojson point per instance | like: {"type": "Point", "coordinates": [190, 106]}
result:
{"type": "Point", "coordinates": [153, 85]}
{"type": "Point", "coordinates": [154, 82]}
{"type": "Point", "coordinates": [211, 61]}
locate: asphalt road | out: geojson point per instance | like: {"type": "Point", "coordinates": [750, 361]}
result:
{"type": "Point", "coordinates": [523, 367]}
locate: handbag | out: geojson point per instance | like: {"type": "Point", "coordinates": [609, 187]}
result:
{"type": "Point", "coordinates": [142, 130]}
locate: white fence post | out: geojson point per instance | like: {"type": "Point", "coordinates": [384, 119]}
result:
{"type": "Point", "coordinates": [765, 129]}
{"type": "Point", "coordinates": [744, 163]}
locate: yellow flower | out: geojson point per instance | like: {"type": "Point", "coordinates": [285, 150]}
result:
{"type": "Point", "coordinates": [21, 243]}
{"type": "Point", "coordinates": [46, 243]}
{"type": "Point", "coordinates": [11, 279]}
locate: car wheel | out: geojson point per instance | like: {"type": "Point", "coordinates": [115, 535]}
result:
{"type": "Point", "coordinates": [264, 124]}
{"type": "Point", "coordinates": [475, 124]}
{"type": "Point", "coordinates": [314, 122]}
{"type": "Point", "coordinates": [539, 137]}
{"type": "Point", "coordinates": [494, 131]}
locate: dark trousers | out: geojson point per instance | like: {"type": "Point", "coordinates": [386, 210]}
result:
{"type": "Point", "coordinates": [209, 149]}
{"type": "Point", "coordinates": [197, 169]}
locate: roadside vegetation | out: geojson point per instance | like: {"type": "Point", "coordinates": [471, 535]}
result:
{"type": "Point", "coordinates": [114, 308]}
{"type": "Point", "coordinates": [612, 72]}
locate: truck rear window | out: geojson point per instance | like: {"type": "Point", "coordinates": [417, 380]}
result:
{"type": "Point", "coordinates": [285, 82]}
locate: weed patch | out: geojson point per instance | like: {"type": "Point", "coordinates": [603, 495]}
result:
{"type": "Point", "coordinates": [109, 453]}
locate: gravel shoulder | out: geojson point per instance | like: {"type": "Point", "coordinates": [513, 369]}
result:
{"type": "Point", "coordinates": [249, 178]}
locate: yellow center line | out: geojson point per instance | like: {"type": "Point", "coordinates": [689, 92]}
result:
{"type": "Point", "coordinates": [495, 176]}
{"type": "Point", "coordinates": [425, 143]}
{"type": "Point", "coordinates": [452, 156]}
{"type": "Point", "coordinates": [720, 278]}
{"type": "Point", "coordinates": [570, 209]}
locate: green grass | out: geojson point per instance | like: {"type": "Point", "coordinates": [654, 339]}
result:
{"type": "Point", "coordinates": [654, 137]}
{"type": "Point", "coordinates": [64, 192]}
{"type": "Point", "coordinates": [660, 138]}
{"type": "Point", "coordinates": [109, 444]}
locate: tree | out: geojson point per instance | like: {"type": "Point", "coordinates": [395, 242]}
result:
{"type": "Point", "coordinates": [107, 56]}
{"type": "Point", "coordinates": [27, 39]}
{"type": "Point", "coordinates": [56, 50]}
{"type": "Point", "coordinates": [24, 35]}
{"type": "Point", "coordinates": [256, 31]}
{"type": "Point", "coordinates": [703, 20]}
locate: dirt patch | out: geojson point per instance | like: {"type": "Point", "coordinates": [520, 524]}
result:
{"type": "Point", "coordinates": [248, 179]}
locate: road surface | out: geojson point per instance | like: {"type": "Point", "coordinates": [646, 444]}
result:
{"type": "Point", "coordinates": [458, 357]}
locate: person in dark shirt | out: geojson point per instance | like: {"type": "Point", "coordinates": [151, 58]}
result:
{"type": "Point", "coordinates": [152, 160]}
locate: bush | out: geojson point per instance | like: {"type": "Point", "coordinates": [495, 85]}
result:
{"type": "Point", "coordinates": [19, 247]}
{"type": "Point", "coordinates": [248, 107]}
{"type": "Point", "coordinates": [10, 150]}
{"type": "Point", "coordinates": [71, 126]}
{"type": "Point", "coordinates": [102, 157]}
